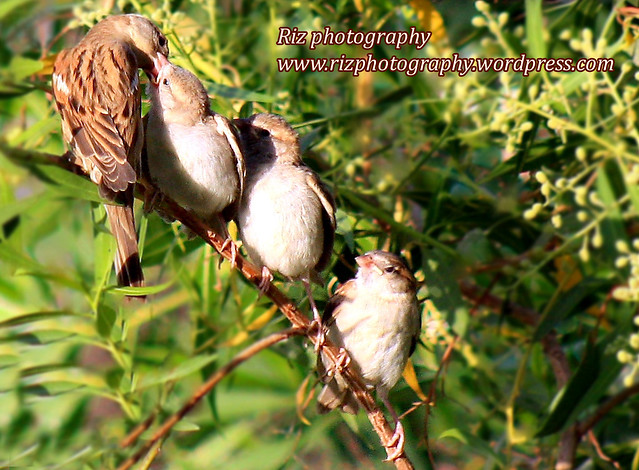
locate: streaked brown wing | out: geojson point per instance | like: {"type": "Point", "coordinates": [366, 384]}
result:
{"type": "Point", "coordinates": [96, 88]}
{"type": "Point", "coordinates": [344, 293]}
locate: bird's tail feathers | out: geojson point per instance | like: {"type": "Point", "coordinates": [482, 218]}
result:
{"type": "Point", "coordinates": [127, 258]}
{"type": "Point", "coordinates": [336, 395]}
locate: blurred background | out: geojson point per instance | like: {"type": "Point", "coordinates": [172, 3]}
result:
{"type": "Point", "coordinates": [513, 198]}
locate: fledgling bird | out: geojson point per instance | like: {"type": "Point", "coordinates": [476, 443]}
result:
{"type": "Point", "coordinates": [97, 92]}
{"type": "Point", "coordinates": [286, 217]}
{"type": "Point", "coordinates": [193, 153]}
{"type": "Point", "coordinates": [375, 318]}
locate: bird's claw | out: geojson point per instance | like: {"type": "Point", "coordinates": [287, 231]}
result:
{"type": "Point", "coordinates": [321, 334]}
{"type": "Point", "coordinates": [397, 442]}
{"type": "Point", "coordinates": [343, 360]}
{"type": "Point", "coordinates": [234, 252]}
{"type": "Point", "coordinates": [265, 281]}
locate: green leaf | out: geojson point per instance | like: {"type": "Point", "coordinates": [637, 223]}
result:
{"type": "Point", "coordinates": [474, 443]}
{"type": "Point", "coordinates": [569, 397]}
{"type": "Point", "coordinates": [535, 29]}
{"type": "Point", "coordinates": [566, 305]}
{"type": "Point", "coordinates": [147, 290]}
{"type": "Point", "coordinates": [228, 92]}
{"type": "Point", "coordinates": [7, 6]}
{"type": "Point", "coordinates": [103, 251]}
{"type": "Point", "coordinates": [105, 320]}
{"type": "Point", "coordinates": [9, 211]}
{"type": "Point", "coordinates": [188, 367]}
{"type": "Point", "coordinates": [38, 316]}
{"type": "Point", "coordinates": [69, 184]}
{"type": "Point", "coordinates": [186, 426]}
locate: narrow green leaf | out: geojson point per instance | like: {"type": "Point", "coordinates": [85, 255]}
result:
{"type": "Point", "coordinates": [38, 316]}
{"type": "Point", "coordinates": [7, 6]}
{"type": "Point", "coordinates": [40, 128]}
{"type": "Point", "coordinates": [572, 394]}
{"type": "Point", "coordinates": [188, 367]}
{"type": "Point", "coordinates": [535, 29]}
{"type": "Point", "coordinates": [566, 305]}
{"type": "Point", "coordinates": [148, 290]}
{"type": "Point", "coordinates": [186, 426]}
{"type": "Point", "coordinates": [105, 320]}
{"type": "Point", "coordinates": [228, 92]}
{"type": "Point", "coordinates": [70, 184]}
{"type": "Point", "coordinates": [103, 252]}
{"type": "Point", "coordinates": [477, 444]}
{"type": "Point", "coordinates": [9, 211]}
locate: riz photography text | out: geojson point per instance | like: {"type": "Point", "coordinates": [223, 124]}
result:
{"type": "Point", "coordinates": [412, 66]}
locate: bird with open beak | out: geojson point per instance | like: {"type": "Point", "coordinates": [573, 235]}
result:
{"type": "Point", "coordinates": [97, 92]}
{"type": "Point", "coordinates": [375, 319]}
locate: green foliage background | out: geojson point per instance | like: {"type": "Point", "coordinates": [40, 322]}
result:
{"type": "Point", "coordinates": [496, 187]}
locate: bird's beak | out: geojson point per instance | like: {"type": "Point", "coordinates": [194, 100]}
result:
{"type": "Point", "coordinates": [159, 62]}
{"type": "Point", "coordinates": [366, 261]}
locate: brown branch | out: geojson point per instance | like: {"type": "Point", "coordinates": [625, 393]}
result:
{"type": "Point", "coordinates": [206, 387]}
{"type": "Point", "coordinates": [606, 408]}
{"type": "Point", "coordinates": [251, 273]}
{"type": "Point", "coordinates": [133, 436]}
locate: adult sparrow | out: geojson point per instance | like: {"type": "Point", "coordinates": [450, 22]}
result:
{"type": "Point", "coordinates": [374, 318]}
{"type": "Point", "coordinates": [97, 91]}
{"type": "Point", "coordinates": [286, 217]}
{"type": "Point", "coordinates": [193, 153]}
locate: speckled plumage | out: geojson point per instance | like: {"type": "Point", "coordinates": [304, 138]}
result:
{"type": "Point", "coordinates": [97, 92]}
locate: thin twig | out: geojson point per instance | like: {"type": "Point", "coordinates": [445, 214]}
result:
{"type": "Point", "coordinates": [206, 387]}
{"type": "Point", "coordinates": [133, 436]}
{"type": "Point", "coordinates": [251, 273]}
{"type": "Point", "coordinates": [606, 408]}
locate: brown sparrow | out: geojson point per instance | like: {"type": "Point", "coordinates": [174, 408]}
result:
{"type": "Point", "coordinates": [374, 318]}
{"type": "Point", "coordinates": [193, 153]}
{"type": "Point", "coordinates": [286, 217]}
{"type": "Point", "coordinates": [97, 91]}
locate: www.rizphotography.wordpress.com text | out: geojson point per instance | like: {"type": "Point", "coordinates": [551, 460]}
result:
{"type": "Point", "coordinates": [412, 66]}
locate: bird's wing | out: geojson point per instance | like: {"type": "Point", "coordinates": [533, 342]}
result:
{"type": "Point", "coordinates": [418, 328]}
{"type": "Point", "coordinates": [97, 91]}
{"type": "Point", "coordinates": [225, 126]}
{"type": "Point", "coordinates": [344, 293]}
{"type": "Point", "coordinates": [328, 216]}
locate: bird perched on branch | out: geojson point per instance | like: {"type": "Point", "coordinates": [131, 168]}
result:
{"type": "Point", "coordinates": [375, 319]}
{"type": "Point", "coordinates": [193, 153]}
{"type": "Point", "coordinates": [97, 92]}
{"type": "Point", "coordinates": [286, 218]}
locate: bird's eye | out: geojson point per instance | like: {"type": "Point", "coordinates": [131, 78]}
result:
{"type": "Point", "coordinates": [390, 269]}
{"type": "Point", "coordinates": [263, 133]}
{"type": "Point", "coordinates": [162, 41]}
{"type": "Point", "coordinates": [166, 82]}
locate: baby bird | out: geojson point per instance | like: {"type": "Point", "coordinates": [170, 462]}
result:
{"type": "Point", "coordinates": [97, 92]}
{"type": "Point", "coordinates": [286, 217]}
{"type": "Point", "coordinates": [193, 153]}
{"type": "Point", "coordinates": [375, 318]}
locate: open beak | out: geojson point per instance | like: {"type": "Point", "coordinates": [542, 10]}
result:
{"type": "Point", "coordinates": [159, 62]}
{"type": "Point", "coordinates": [365, 261]}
